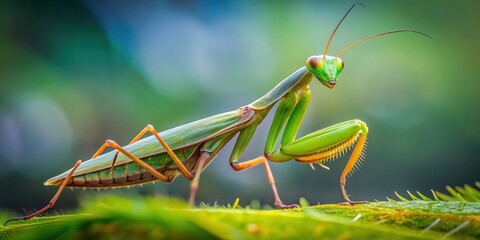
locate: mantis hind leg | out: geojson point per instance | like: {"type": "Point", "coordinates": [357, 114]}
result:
{"type": "Point", "coordinates": [198, 171]}
{"type": "Point", "coordinates": [149, 128]}
{"type": "Point", "coordinates": [327, 144]}
{"type": "Point", "coordinates": [53, 200]}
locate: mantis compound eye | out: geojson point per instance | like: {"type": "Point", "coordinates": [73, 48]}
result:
{"type": "Point", "coordinates": [315, 63]}
{"type": "Point", "coordinates": [340, 65]}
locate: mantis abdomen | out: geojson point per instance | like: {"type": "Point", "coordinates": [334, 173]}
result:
{"type": "Point", "coordinates": [129, 174]}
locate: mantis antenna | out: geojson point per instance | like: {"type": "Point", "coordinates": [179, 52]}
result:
{"type": "Point", "coordinates": [338, 25]}
{"type": "Point", "coordinates": [378, 35]}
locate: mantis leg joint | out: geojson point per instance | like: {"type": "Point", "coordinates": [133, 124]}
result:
{"type": "Point", "coordinates": [235, 166]}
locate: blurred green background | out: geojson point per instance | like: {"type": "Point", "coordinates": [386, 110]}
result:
{"type": "Point", "coordinates": [74, 73]}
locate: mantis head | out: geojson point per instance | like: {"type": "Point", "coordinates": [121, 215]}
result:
{"type": "Point", "coordinates": [325, 68]}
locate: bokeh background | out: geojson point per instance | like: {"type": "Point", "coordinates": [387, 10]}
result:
{"type": "Point", "coordinates": [74, 73]}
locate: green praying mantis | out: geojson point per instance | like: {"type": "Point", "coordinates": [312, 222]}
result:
{"type": "Point", "coordinates": [188, 149]}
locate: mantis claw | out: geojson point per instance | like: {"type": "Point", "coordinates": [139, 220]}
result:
{"type": "Point", "coordinates": [11, 220]}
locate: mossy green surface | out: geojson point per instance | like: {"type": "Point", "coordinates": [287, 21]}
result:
{"type": "Point", "coordinates": [110, 217]}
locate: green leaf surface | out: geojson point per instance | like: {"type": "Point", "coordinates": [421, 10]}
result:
{"type": "Point", "coordinates": [110, 217]}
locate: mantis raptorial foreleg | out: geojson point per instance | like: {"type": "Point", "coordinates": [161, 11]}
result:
{"type": "Point", "coordinates": [52, 202]}
{"type": "Point", "coordinates": [356, 155]}
{"type": "Point", "coordinates": [149, 128]}
{"type": "Point", "coordinates": [329, 139]}
{"type": "Point", "coordinates": [325, 144]}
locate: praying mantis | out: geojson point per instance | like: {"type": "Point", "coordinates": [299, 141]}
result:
{"type": "Point", "coordinates": [188, 149]}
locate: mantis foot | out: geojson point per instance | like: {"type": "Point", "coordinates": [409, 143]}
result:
{"type": "Point", "coordinates": [290, 206]}
{"type": "Point", "coordinates": [18, 219]}
{"type": "Point", "coordinates": [351, 203]}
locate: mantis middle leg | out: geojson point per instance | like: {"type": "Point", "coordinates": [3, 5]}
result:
{"type": "Point", "coordinates": [256, 161]}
